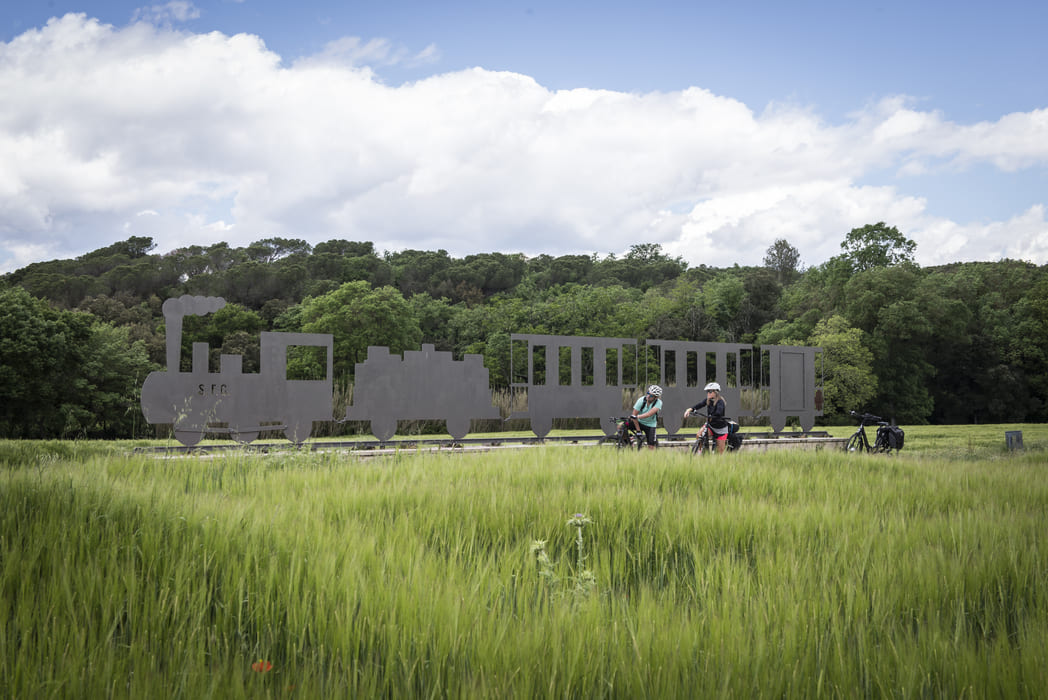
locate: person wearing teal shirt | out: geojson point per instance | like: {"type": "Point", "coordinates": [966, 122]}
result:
{"type": "Point", "coordinates": [646, 413]}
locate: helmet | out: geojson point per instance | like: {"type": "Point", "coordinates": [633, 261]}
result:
{"type": "Point", "coordinates": [655, 390]}
{"type": "Point", "coordinates": [712, 386]}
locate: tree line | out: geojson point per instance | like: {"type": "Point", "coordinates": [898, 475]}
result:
{"type": "Point", "coordinates": [951, 344]}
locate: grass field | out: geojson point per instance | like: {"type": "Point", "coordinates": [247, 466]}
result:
{"type": "Point", "coordinates": [560, 571]}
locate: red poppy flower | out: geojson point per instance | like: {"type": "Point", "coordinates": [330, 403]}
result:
{"type": "Point", "coordinates": [261, 666]}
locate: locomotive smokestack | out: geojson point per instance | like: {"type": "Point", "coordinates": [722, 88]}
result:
{"type": "Point", "coordinates": [173, 324]}
{"type": "Point", "coordinates": [174, 310]}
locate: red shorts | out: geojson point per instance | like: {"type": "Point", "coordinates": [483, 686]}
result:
{"type": "Point", "coordinates": [715, 435]}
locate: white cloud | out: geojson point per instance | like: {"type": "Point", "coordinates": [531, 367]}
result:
{"type": "Point", "coordinates": [193, 138]}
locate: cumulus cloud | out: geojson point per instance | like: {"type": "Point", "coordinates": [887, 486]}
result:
{"type": "Point", "coordinates": [195, 138]}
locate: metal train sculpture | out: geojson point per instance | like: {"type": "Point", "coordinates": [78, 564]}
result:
{"type": "Point", "coordinates": [574, 376]}
{"type": "Point", "coordinates": [557, 377]}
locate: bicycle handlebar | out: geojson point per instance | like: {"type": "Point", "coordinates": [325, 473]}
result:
{"type": "Point", "coordinates": [866, 418]}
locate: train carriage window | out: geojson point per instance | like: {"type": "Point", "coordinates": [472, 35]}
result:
{"type": "Point", "coordinates": [746, 372]}
{"type": "Point", "coordinates": [711, 367]}
{"type": "Point", "coordinates": [611, 367]}
{"type": "Point", "coordinates": [731, 368]}
{"type": "Point", "coordinates": [305, 362]}
{"type": "Point", "coordinates": [538, 365]}
{"type": "Point", "coordinates": [762, 380]}
{"type": "Point", "coordinates": [630, 364]}
{"type": "Point", "coordinates": [649, 366]}
{"type": "Point", "coordinates": [564, 365]}
{"type": "Point", "coordinates": [587, 369]}
{"type": "Point", "coordinates": [692, 365]}
{"type": "Point", "coordinates": [519, 361]}
{"type": "Point", "coordinates": [669, 364]}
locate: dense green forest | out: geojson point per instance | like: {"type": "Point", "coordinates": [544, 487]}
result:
{"type": "Point", "coordinates": [960, 343]}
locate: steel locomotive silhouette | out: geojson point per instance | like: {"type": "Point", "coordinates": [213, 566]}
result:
{"type": "Point", "coordinates": [556, 376]}
{"type": "Point", "coordinates": [230, 401]}
{"type": "Point", "coordinates": [424, 384]}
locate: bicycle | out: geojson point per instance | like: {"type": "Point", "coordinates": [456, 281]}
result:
{"type": "Point", "coordinates": [705, 437]}
{"type": "Point", "coordinates": [628, 433]}
{"type": "Point", "coordinates": [888, 437]}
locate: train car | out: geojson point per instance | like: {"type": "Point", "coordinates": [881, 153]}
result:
{"type": "Point", "coordinates": [571, 377]}
{"type": "Point", "coordinates": [425, 384]}
{"type": "Point", "coordinates": [684, 367]}
{"type": "Point", "coordinates": [794, 383]}
{"type": "Point", "coordinates": [229, 401]}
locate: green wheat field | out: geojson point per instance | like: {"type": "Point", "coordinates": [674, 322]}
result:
{"type": "Point", "coordinates": [551, 572]}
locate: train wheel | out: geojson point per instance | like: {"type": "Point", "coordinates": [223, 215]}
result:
{"type": "Point", "coordinates": [541, 426]}
{"type": "Point", "coordinates": [189, 437]}
{"type": "Point", "coordinates": [383, 429]}
{"type": "Point", "coordinates": [298, 432]}
{"type": "Point", "coordinates": [458, 427]}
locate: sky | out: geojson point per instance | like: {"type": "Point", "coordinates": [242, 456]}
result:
{"type": "Point", "coordinates": [713, 129]}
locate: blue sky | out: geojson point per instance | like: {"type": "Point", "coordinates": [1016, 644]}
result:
{"type": "Point", "coordinates": [539, 127]}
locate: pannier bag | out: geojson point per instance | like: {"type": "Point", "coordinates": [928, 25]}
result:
{"type": "Point", "coordinates": [734, 436]}
{"type": "Point", "coordinates": [894, 436]}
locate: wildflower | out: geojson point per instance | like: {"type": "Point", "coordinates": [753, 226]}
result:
{"type": "Point", "coordinates": [261, 666]}
{"type": "Point", "coordinates": [579, 520]}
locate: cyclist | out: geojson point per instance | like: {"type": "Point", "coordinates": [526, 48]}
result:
{"type": "Point", "coordinates": [715, 408]}
{"type": "Point", "coordinates": [646, 413]}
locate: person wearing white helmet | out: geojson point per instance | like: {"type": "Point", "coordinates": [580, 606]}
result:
{"type": "Point", "coordinates": [715, 408]}
{"type": "Point", "coordinates": [646, 413]}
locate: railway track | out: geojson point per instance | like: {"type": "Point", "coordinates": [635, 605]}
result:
{"type": "Point", "coordinates": [379, 447]}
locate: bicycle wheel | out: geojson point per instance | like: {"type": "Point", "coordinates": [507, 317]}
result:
{"type": "Point", "coordinates": [855, 443]}
{"type": "Point", "coordinates": [641, 439]}
{"type": "Point", "coordinates": [701, 445]}
{"type": "Point", "coordinates": [880, 443]}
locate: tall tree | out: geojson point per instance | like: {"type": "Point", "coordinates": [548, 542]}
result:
{"type": "Point", "coordinates": [272, 249]}
{"type": "Point", "coordinates": [106, 401]}
{"type": "Point", "coordinates": [63, 374]}
{"type": "Point", "coordinates": [782, 259]}
{"type": "Point", "coordinates": [39, 348]}
{"type": "Point", "coordinates": [358, 316]}
{"type": "Point", "coordinates": [416, 271]}
{"type": "Point", "coordinates": [848, 380]}
{"type": "Point", "coordinates": [877, 245]}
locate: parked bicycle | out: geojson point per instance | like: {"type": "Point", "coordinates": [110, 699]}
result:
{"type": "Point", "coordinates": [628, 433]}
{"type": "Point", "coordinates": [889, 437]}
{"type": "Point", "coordinates": [704, 439]}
